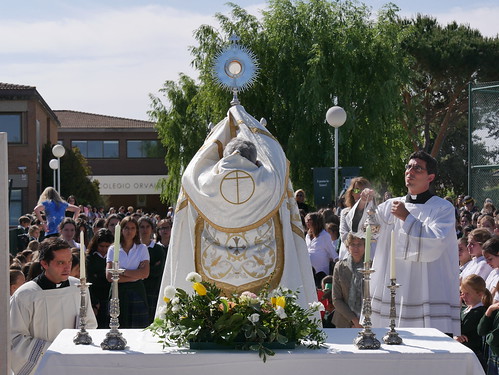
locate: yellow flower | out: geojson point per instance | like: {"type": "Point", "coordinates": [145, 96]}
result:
{"type": "Point", "coordinates": [273, 300]}
{"type": "Point", "coordinates": [281, 301]}
{"type": "Point", "coordinates": [166, 299]}
{"type": "Point", "coordinates": [199, 288]}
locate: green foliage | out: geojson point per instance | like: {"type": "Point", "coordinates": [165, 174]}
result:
{"type": "Point", "coordinates": [444, 59]}
{"type": "Point", "coordinates": [74, 172]}
{"type": "Point", "coordinates": [245, 321]}
{"type": "Point", "coordinates": [402, 83]}
{"type": "Point", "coordinates": [309, 52]}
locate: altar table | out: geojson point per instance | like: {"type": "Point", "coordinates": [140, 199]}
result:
{"type": "Point", "coordinates": [425, 351]}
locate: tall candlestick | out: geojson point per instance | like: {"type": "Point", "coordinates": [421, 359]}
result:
{"type": "Point", "coordinates": [82, 256]}
{"type": "Point", "coordinates": [367, 254]}
{"type": "Point", "coordinates": [117, 233]}
{"type": "Point", "coordinates": [392, 256]}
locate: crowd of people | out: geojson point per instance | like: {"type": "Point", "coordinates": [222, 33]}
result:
{"type": "Point", "coordinates": [457, 251]}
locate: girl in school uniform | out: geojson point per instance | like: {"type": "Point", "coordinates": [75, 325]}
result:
{"type": "Point", "coordinates": [477, 299]}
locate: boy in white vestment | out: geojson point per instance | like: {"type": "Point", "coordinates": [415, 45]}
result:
{"type": "Point", "coordinates": [425, 252]}
{"type": "Point", "coordinates": [41, 308]}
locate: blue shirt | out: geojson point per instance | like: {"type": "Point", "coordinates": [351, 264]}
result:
{"type": "Point", "coordinates": [55, 213]}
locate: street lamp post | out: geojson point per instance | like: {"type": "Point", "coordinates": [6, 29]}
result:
{"type": "Point", "coordinates": [54, 165]}
{"type": "Point", "coordinates": [336, 117]}
{"type": "Point", "coordinates": [58, 151]}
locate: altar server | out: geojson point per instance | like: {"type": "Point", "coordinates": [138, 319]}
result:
{"type": "Point", "coordinates": [425, 254]}
{"type": "Point", "coordinates": [44, 306]}
{"type": "Point", "coordinates": [237, 222]}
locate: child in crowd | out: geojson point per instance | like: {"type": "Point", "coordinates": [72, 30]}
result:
{"type": "Point", "coordinates": [477, 299]}
{"type": "Point", "coordinates": [478, 266]}
{"type": "Point", "coordinates": [489, 327]}
{"type": "Point", "coordinates": [464, 254]}
{"type": "Point", "coordinates": [16, 280]}
{"type": "Point", "coordinates": [490, 250]}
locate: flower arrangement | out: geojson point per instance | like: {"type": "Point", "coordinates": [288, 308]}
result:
{"type": "Point", "coordinates": [246, 321]}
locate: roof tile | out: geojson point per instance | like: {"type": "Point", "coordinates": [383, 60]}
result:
{"type": "Point", "coordinates": [75, 119]}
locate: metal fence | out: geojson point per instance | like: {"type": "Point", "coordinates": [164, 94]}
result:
{"type": "Point", "coordinates": [483, 142]}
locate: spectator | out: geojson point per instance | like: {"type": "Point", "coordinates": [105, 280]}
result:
{"type": "Point", "coordinates": [67, 228]}
{"type": "Point", "coordinates": [347, 285]}
{"type": "Point", "coordinates": [134, 259]}
{"type": "Point", "coordinates": [352, 195]}
{"type": "Point", "coordinates": [478, 265]}
{"type": "Point", "coordinates": [157, 259]}
{"type": "Point", "coordinates": [16, 280]}
{"type": "Point", "coordinates": [320, 247]}
{"type": "Point", "coordinates": [96, 271]}
{"type": "Point", "coordinates": [477, 299]}
{"type": "Point", "coordinates": [55, 208]}
{"type": "Point", "coordinates": [464, 254]}
{"type": "Point", "coordinates": [300, 200]}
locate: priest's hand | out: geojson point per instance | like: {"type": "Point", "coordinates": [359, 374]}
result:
{"type": "Point", "coordinates": [399, 211]}
{"type": "Point", "coordinates": [365, 196]}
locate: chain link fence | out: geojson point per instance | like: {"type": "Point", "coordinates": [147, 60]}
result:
{"type": "Point", "coordinates": [483, 146]}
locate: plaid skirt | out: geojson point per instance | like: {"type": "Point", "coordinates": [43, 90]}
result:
{"type": "Point", "coordinates": [134, 310]}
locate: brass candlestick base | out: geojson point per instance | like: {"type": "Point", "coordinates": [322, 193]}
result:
{"type": "Point", "coordinates": [392, 337]}
{"type": "Point", "coordinates": [114, 340]}
{"type": "Point", "coordinates": [82, 337]}
{"type": "Point", "coordinates": [366, 338]}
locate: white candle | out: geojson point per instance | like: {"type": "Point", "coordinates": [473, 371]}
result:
{"type": "Point", "coordinates": [392, 256]}
{"type": "Point", "coordinates": [117, 233]}
{"type": "Point", "coordinates": [367, 254]}
{"type": "Point", "coordinates": [82, 256]}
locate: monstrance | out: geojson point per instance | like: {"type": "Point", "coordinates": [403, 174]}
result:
{"type": "Point", "coordinates": [235, 68]}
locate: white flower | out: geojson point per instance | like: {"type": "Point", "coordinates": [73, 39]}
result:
{"type": "Point", "coordinates": [253, 318]}
{"type": "Point", "coordinates": [169, 292]}
{"type": "Point", "coordinates": [162, 312]}
{"type": "Point", "coordinates": [249, 297]}
{"type": "Point", "coordinates": [280, 312]}
{"type": "Point", "coordinates": [176, 308]}
{"type": "Point", "coordinates": [175, 301]}
{"type": "Point", "coordinates": [316, 306]}
{"type": "Point", "coordinates": [194, 277]}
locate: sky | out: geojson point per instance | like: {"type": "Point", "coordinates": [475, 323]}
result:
{"type": "Point", "coordinates": [108, 56]}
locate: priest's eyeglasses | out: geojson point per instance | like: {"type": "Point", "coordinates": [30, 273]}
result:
{"type": "Point", "coordinates": [415, 167]}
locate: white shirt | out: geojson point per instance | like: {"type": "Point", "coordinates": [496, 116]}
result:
{"type": "Point", "coordinates": [321, 250]}
{"type": "Point", "coordinates": [492, 280]}
{"type": "Point", "coordinates": [130, 261]}
{"type": "Point", "coordinates": [477, 266]}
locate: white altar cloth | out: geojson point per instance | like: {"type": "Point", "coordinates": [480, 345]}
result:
{"type": "Point", "coordinates": [425, 351]}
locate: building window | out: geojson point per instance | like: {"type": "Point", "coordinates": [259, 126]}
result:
{"type": "Point", "coordinates": [15, 206]}
{"type": "Point", "coordinates": [144, 149]}
{"type": "Point", "coordinates": [11, 123]}
{"type": "Point", "coordinates": [98, 149]}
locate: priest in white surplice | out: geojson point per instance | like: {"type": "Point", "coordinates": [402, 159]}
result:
{"type": "Point", "coordinates": [44, 306]}
{"type": "Point", "coordinates": [236, 221]}
{"type": "Point", "coordinates": [426, 254]}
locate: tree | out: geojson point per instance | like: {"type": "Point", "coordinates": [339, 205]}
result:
{"type": "Point", "coordinates": [443, 60]}
{"type": "Point", "coordinates": [74, 180]}
{"type": "Point", "coordinates": [309, 53]}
